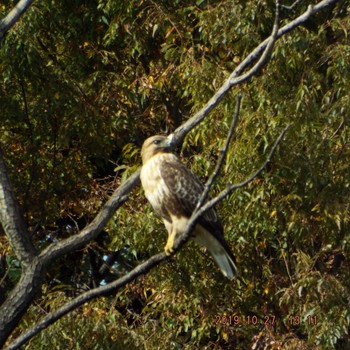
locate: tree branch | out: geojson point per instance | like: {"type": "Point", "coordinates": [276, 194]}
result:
{"type": "Point", "coordinates": [87, 296]}
{"type": "Point", "coordinates": [237, 77]}
{"type": "Point", "coordinates": [92, 230]}
{"type": "Point", "coordinates": [291, 7]}
{"type": "Point", "coordinates": [230, 188]}
{"type": "Point", "coordinates": [262, 51]}
{"type": "Point", "coordinates": [12, 220]}
{"type": "Point", "coordinates": [222, 156]}
{"type": "Point", "coordinates": [13, 16]}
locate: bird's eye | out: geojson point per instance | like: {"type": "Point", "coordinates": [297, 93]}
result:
{"type": "Point", "coordinates": [156, 142]}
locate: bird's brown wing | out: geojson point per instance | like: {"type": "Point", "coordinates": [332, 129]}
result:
{"type": "Point", "coordinates": [185, 190]}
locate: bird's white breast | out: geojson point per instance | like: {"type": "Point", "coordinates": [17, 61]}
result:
{"type": "Point", "coordinates": [152, 181]}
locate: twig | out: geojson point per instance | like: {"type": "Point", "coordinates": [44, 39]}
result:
{"type": "Point", "coordinates": [338, 128]}
{"type": "Point", "coordinates": [271, 40]}
{"type": "Point", "coordinates": [230, 188]}
{"type": "Point", "coordinates": [222, 156]}
{"type": "Point", "coordinates": [291, 7]}
{"type": "Point", "coordinates": [287, 267]}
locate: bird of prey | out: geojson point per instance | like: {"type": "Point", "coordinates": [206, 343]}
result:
{"type": "Point", "coordinates": [173, 191]}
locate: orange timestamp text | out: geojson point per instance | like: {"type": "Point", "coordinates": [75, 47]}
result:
{"type": "Point", "coordinates": [236, 320]}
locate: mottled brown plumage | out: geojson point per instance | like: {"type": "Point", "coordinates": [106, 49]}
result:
{"type": "Point", "coordinates": [173, 191]}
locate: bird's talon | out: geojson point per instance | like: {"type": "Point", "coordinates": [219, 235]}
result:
{"type": "Point", "coordinates": [168, 250]}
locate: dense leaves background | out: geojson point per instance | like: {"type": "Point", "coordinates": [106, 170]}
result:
{"type": "Point", "coordinates": [83, 83]}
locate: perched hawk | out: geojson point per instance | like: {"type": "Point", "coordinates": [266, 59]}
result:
{"type": "Point", "coordinates": [173, 192]}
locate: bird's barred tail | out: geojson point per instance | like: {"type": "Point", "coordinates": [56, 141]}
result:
{"type": "Point", "coordinates": [220, 251]}
{"type": "Point", "coordinates": [225, 262]}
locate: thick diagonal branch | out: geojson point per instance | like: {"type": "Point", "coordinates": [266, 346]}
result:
{"type": "Point", "coordinates": [12, 220]}
{"type": "Point", "coordinates": [13, 16]}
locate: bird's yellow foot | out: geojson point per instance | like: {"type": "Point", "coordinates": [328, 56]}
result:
{"type": "Point", "coordinates": [169, 248]}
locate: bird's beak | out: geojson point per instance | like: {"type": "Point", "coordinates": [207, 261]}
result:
{"type": "Point", "coordinates": [168, 143]}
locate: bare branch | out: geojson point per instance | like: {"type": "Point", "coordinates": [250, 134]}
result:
{"type": "Point", "coordinates": [32, 276]}
{"type": "Point", "coordinates": [291, 7]}
{"type": "Point", "coordinates": [237, 77]}
{"type": "Point", "coordinates": [13, 16]}
{"type": "Point", "coordinates": [96, 226]}
{"type": "Point", "coordinates": [222, 157]}
{"type": "Point", "coordinates": [12, 220]}
{"type": "Point", "coordinates": [85, 297]}
{"type": "Point", "coordinates": [270, 42]}
{"type": "Point", "coordinates": [230, 188]}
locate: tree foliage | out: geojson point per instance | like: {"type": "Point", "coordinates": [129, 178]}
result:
{"type": "Point", "coordinates": [85, 82]}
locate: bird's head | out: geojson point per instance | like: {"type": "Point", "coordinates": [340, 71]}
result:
{"type": "Point", "coordinates": [153, 145]}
